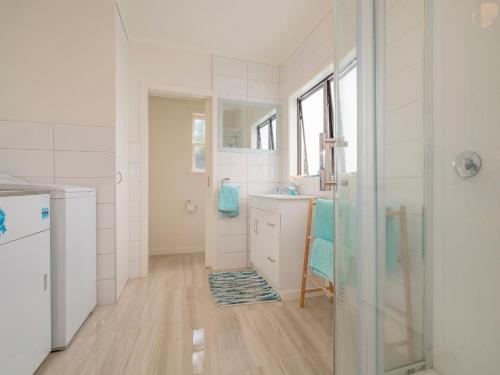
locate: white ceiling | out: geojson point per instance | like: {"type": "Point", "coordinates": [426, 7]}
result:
{"type": "Point", "coordinates": [257, 30]}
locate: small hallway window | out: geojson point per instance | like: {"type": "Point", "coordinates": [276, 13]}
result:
{"type": "Point", "coordinates": [198, 149]}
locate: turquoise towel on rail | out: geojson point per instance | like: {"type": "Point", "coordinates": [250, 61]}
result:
{"type": "Point", "coordinates": [229, 201]}
{"type": "Point", "coordinates": [321, 260]}
{"type": "Point", "coordinates": [323, 220]}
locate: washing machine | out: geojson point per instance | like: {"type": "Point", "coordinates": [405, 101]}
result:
{"type": "Point", "coordinates": [72, 253]}
{"type": "Point", "coordinates": [25, 322]}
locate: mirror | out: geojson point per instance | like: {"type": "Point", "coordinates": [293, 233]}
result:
{"type": "Point", "coordinates": [247, 125]}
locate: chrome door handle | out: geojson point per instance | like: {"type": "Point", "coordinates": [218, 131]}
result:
{"type": "Point", "coordinates": [326, 146]}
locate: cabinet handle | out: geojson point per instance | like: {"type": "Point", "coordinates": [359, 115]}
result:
{"type": "Point", "coordinates": [45, 282]}
{"type": "Point", "coordinates": [271, 224]}
{"type": "Point", "coordinates": [271, 260]}
{"type": "Point", "coordinates": [257, 226]}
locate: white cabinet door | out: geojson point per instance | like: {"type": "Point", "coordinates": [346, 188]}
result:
{"type": "Point", "coordinates": [265, 243]}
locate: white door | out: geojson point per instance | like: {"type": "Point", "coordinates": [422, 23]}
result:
{"type": "Point", "coordinates": [122, 199]}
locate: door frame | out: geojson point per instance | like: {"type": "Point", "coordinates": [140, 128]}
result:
{"type": "Point", "coordinates": [145, 91]}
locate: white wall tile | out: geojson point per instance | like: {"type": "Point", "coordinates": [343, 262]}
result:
{"type": "Point", "coordinates": [84, 164]}
{"type": "Point", "coordinates": [134, 172]}
{"type": "Point", "coordinates": [402, 17]}
{"type": "Point", "coordinates": [135, 250]}
{"type": "Point", "coordinates": [84, 138]}
{"type": "Point", "coordinates": [233, 244]}
{"type": "Point", "coordinates": [255, 188]}
{"type": "Point", "coordinates": [232, 260]}
{"type": "Point", "coordinates": [404, 123]}
{"type": "Point", "coordinates": [135, 212]}
{"type": "Point", "coordinates": [405, 159]}
{"type": "Point", "coordinates": [232, 227]}
{"type": "Point", "coordinates": [265, 90]}
{"type": "Point", "coordinates": [106, 216]}
{"type": "Point", "coordinates": [134, 192]}
{"type": "Point", "coordinates": [106, 292]}
{"type": "Point", "coordinates": [105, 266]}
{"type": "Point", "coordinates": [105, 187]}
{"type": "Point", "coordinates": [259, 159]}
{"type": "Point", "coordinates": [232, 158]}
{"type": "Point", "coordinates": [263, 72]}
{"type": "Point", "coordinates": [264, 173]}
{"type": "Point", "coordinates": [405, 51]}
{"type": "Point", "coordinates": [106, 241]}
{"type": "Point", "coordinates": [230, 86]}
{"type": "Point", "coordinates": [134, 269]}
{"type": "Point", "coordinates": [228, 67]}
{"type": "Point", "coordinates": [405, 87]}
{"type": "Point", "coordinates": [26, 135]}
{"type": "Point", "coordinates": [234, 173]}
{"type": "Point", "coordinates": [134, 152]}
{"type": "Point", "coordinates": [27, 162]}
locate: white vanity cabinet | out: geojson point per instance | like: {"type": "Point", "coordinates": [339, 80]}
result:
{"type": "Point", "coordinates": [277, 236]}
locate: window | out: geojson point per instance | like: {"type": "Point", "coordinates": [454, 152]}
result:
{"type": "Point", "coordinates": [348, 114]}
{"type": "Point", "coordinates": [314, 116]}
{"type": "Point", "coordinates": [198, 151]}
{"type": "Point", "coordinates": [266, 134]}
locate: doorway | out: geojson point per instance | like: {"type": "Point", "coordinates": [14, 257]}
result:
{"type": "Point", "coordinates": [178, 149]}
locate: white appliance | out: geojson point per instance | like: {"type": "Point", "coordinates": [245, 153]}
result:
{"type": "Point", "coordinates": [25, 333]}
{"type": "Point", "coordinates": [73, 255]}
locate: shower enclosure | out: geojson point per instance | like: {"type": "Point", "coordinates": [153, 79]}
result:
{"type": "Point", "coordinates": [382, 323]}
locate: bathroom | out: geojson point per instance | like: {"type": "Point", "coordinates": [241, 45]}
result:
{"type": "Point", "coordinates": [286, 187]}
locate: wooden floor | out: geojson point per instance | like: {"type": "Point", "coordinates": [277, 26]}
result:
{"type": "Point", "coordinates": [167, 323]}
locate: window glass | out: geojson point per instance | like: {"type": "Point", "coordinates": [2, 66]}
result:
{"type": "Point", "coordinates": [313, 125]}
{"type": "Point", "coordinates": [349, 119]}
{"type": "Point", "coordinates": [264, 136]}
{"type": "Point", "coordinates": [198, 143]}
{"type": "Point", "coordinates": [275, 136]}
{"type": "Point", "coordinates": [199, 131]}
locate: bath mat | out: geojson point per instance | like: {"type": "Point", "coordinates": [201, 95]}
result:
{"type": "Point", "coordinates": [240, 287]}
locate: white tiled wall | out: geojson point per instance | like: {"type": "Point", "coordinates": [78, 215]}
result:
{"type": "Point", "coordinates": [254, 172]}
{"type": "Point", "coordinates": [312, 60]}
{"type": "Point", "coordinates": [404, 151]}
{"type": "Point", "coordinates": [134, 173]}
{"type": "Point", "coordinates": [72, 155]}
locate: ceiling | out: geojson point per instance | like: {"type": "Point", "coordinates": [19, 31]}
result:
{"type": "Point", "coordinates": [257, 30]}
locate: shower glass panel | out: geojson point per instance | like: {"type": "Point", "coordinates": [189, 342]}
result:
{"type": "Point", "coordinates": [380, 278]}
{"type": "Point", "coordinates": [400, 39]}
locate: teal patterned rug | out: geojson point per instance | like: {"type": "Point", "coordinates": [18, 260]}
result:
{"type": "Point", "coordinates": [240, 287]}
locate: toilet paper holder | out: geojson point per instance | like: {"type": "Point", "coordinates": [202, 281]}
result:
{"type": "Point", "coordinates": [190, 206]}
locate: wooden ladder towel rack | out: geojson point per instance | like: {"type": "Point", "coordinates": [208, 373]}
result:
{"type": "Point", "coordinates": [320, 285]}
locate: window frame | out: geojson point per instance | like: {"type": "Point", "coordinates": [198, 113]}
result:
{"type": "Point", "coordinates": [271, 141]}
{"type": "Point", "coordinates": [328, 115]}
{"type": "Point", "coordinates": [194, 117]}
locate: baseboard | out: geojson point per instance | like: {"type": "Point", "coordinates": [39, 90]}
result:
{"type": "Point", "coordinates": [178, 250]}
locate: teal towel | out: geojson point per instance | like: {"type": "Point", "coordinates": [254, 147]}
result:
{"type": "Point", "coordinates": [229, 201]}
{"type": "Point", "coordinates": [321, 261]}
{"type": "Point", "coordinates": [323, 220]}
{"type": "Point", "coordinates": [392, 243]}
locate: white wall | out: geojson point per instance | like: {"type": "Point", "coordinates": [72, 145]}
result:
{"type": "Point", "coordinates": [57, 105]}
{"type": "Point", "coordinates": [467, 236]}
{"type": "Point", "coordinates": [253, 171]}
{"type": "Point", "coordinates": [173, 230]}
{"type": "Point", "coordinates": [154, 66]}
